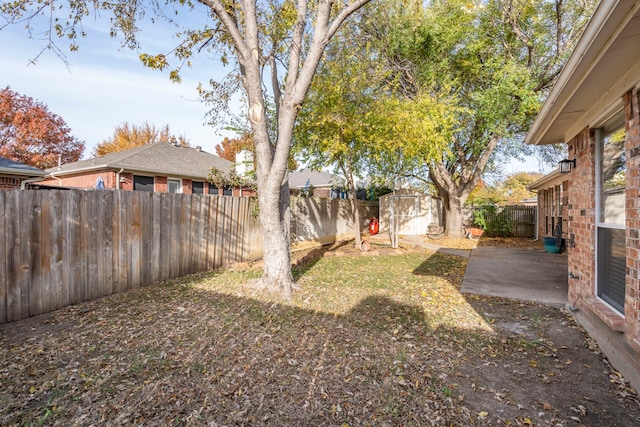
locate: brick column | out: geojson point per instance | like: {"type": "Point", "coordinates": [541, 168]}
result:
{"type": "Point", "coordinates": [632, 149]}
{"type": "Point", "coordinates": [581, 212]}
{"type": "Point", "coordinates": [160, 183]}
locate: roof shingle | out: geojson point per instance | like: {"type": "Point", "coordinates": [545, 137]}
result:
{"type": "Point", "coordinates": [160, 158]}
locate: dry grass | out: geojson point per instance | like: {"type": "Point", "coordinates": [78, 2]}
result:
{"type": "Point", "coordinates": [382, 339]}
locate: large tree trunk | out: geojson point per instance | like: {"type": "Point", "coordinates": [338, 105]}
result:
{"type": "Point", "coordinates": [455, 182]}
{"type": "Point", "coordinates": [272, 156]}
{"type": "Point", "coordinates": [454, 217]}
{"type": "Point", "coordinates": [275, 220]}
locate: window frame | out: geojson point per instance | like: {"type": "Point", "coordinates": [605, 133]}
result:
{"type": "Point", "coordinates": [174, 180]}
{"type": "Point", "coordinates": [136, 181]}
{"type": "Point", "coordinates": [605, 293]}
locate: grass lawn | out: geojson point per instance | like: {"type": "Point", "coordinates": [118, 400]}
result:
{"type": "Point", "coordinates": [370, 340]}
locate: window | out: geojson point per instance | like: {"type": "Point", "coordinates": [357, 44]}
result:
{"type": "Point", "coordinates": [197, 187]}
{"type": "Point", "coordinates": [611, 199]}
{"type": "Point", "coordinates": [227, 191]}
{"type": "Point", "coordinates": [142, 183]}
{"type": "Point", "coordinates": [213, 190]}
{"type": "Point", "coordinates": [174, 186]}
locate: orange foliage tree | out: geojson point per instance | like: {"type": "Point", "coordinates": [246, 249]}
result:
{"type": "Point", "coordinates": [228, 148]}
{"type": "Point", "coordinates": [127, 136]}
{"type": "Point", "coordinates": [31, 134]}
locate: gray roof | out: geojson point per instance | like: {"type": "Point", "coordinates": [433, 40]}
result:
{"type": "Point", "coordinates": [10, 167]}
{"type": "Point", "coordinates": [298, 179]}
{"type": "Point", "coordinates": [160, 158]}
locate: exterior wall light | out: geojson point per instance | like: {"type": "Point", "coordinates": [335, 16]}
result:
{"type": "Point", "coordinates": [566, 165]}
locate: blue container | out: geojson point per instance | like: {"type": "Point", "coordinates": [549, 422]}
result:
{"type": "Point", "coordinates": [550, 245]}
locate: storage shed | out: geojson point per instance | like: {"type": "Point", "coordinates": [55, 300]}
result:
{"type": "Point", "coordinates": [409, 212]}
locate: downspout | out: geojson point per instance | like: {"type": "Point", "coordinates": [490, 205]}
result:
{"type": "Point", "coordinates": [53, 175]}
{"type": "Point", "coordinates": [118, 178]}
{"type": "Point", "coordinates": [23, 184]}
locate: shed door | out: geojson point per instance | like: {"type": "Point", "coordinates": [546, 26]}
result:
{"type": "Point", "coordinates": [405, 210]}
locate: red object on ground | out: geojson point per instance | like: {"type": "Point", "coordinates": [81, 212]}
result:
{"type": "Point", "coordinates": [373, 226]}
{"type": "Point", "coordinates": [473, 232]}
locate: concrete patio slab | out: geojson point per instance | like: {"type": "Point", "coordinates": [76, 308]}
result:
{"type": "Point", "coordinates": [521, 274]}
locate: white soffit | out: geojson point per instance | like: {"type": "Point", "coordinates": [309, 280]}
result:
{"type": "Point", "coordinates": [604, 65]}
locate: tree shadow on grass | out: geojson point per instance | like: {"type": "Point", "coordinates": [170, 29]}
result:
{"type": "Point", "coordinates": [174, 354]}
{"type": "Point", "coordinates": [314, 256]}
{"type": "Point", "coordinates": [180, 354]}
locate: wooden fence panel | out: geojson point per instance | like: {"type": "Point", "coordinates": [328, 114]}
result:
{"type": "Point", "coordinates": [44, 257]}
{"type": "Point", "coordinates": [72, 268]}
{"type": "Point", "coordinates": [37, 247]}
{"type": "Point", "coordinates": [13, 223]}
{"type": "Point", "coordinates": [212, 247]}
{"type": "Point", "coordinates": [64, 247]}
{"type": "Point", "coordinates": [58, 292]}
{"type": "Point", "coordinates": [521, 219]}
{"type": "Point", "coordinates": [24, 275]}
{"type": "Point", "coordinates": [156, 224]}
{"type": "Point", "coordinates": [220, 228]}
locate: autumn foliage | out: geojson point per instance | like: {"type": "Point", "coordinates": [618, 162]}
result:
{"type": "Point", "coordinates": [127, 136]}
{"type": "Point", "coordinates": [228, 148]}
{"type": "Point", "coordinates": [31, 134]}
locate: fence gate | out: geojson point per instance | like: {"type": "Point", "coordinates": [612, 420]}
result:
{"type": "Point", "coordinates": [403, 216]}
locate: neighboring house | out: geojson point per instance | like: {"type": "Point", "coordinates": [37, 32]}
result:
{"type": "Point", "coordinates": [594, 108]}
{"type": "Point", "coordinates": [529, 201]}
{"type": "Point", "coordinates": [14, 174]}
{"type": "Point", "coordinates": [410, 212]}
{"type": "Point", "coordinates": [159, 167]}
{"type": "Point", "coordinates": [317, 184]}
{"type": "Point", "coordinates": [552, 204]}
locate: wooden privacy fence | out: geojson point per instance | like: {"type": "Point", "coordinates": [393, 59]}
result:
{"type": "Point", "coordinates": [59, 248]}
{"type": "Point", "coordinates": [516, 220]}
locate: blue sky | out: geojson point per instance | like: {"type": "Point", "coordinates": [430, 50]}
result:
{"type": "Point", "coordinates": [105, 85]}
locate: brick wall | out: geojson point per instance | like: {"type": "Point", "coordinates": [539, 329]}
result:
{"type": "Point", "coordinates": [618, 336]}
{"type": "Point", "coordinates": [85, 180]}
{"type": "Point", "coordinates": [88, 180]}
{"type": "Point", "coordinates": [186, 186]}
{"type": "Point", "coordinates": [581, 218]}
{"type": "Point", "coordinates": [632, 148]}
{"type": "Point", "coordinates": [126, 181]}
{"type": "Point", "coordinates": [160, 184]}
{"type": "Point", "coordinates": [10, 182]}
{"type": "Point", "coordinates": [553, 205]}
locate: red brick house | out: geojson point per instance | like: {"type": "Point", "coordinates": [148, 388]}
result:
{"type": "Point", "coordinates": [160, 167]}
{"type": "Point", "coordinates": [594, 108]}
{"type": "Point", "coordinates": [552, 190]}
{"type": "Point", "coordinates": [13, 174]}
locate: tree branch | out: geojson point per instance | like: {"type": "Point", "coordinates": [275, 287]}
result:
{"type": "Point", "coordinates": [231, 26]}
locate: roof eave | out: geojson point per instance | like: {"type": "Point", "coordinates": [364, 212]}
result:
{"type": "Point", "coordinates": [22, 172]}
{"type": "Point", "coordinates": [551, 179]}
{"type": "Point", "coordinates": [604, 25]}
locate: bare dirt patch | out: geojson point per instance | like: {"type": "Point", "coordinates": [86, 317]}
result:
{"type": "Point", "coordinates": [378, 339]}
